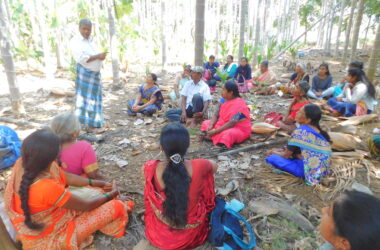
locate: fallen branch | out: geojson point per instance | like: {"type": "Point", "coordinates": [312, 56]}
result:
{"type": "Point", "coordinates": [21, 122]}
{"type": "Point", "coordinates": [255, 146]}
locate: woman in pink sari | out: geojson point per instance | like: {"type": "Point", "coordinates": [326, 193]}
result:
{"type": "Point", "coordinates": [231, 123]}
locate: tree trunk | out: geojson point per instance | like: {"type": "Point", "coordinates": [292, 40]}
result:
{"type": "Point", "coordinates": [322, 27]}
{"type": "Point", "coordinates": [257, 33]}
{"type": "Point", "coordinates": [199, 32]}
{"type": "Point", "coordinates": [41, 22]}
{"type": "Point", "coordinates": [14, 92]}
{"type": "Point", "coordinates": [348, 30]}
{"type": "Point", "coordinates": [113, 46]}
{"type": "Point", "coordinates": [328, 46]}
{"type": "Point", "coordinates": [375, 56]}
{"type": "Point", "coordinates": [342, 7]}
{"type": "Point", "coordinates": [58, 40]}
{"type": "Point", "coordinates": [366, 31]}
{"type": "Point", "coordinates": [358, 22]}
{"type": "Point", "coordinates": [218, 29]}
{"type": "Point", "coordinates": [243, 11]}
{"type": "Point", "coordinates": [163, 35]}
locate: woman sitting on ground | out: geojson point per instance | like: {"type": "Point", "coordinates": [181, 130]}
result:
{"type": "Point", "coordinates": [337, 91]}
{"type": "Point", "coordinates": [180, 81]}
{"type": "Point", "coordinates": [352, 222]}
{"type": "Point", "coordinates": [264, 77]}
{"type": "Point", "coordinates": [358, 97]}
{"type": "Point", "coordinates": [298, 76]}
{"type": "Point", "coordinates": [230, 67]}
{"type": "Point", "coordinates": [300, 100]}
{"type": "Point", "coordinates": [45, 214]}
{"type": "Point", "coordinates": [76, 157]}
{"type": "Point", "coordinates": [320, 82]}
{"type": "Point", "coordinates": [308, 152]}
{"type": "Point", "coordinates": [374, 144]}
{"type": "Point", "coordinates": [231, 123]}
{"type": "Point", "coordinates": [149, 98]}
{"type": "Point", "coordinates": [179, 194]}
{"type": "Point", "coordinates": [243, 76]}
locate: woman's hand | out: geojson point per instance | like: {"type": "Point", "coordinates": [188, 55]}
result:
{"type": "Point", "coordinates": [268, 153]}
{"type": "Point", "coordinates": [136, 108]}
{"type": "Point", "coordinates": [339, 99]}
{"type": "Point", "coordinates": [107, 187]}
{"type": "Point", "coordinates": [212, 132]}
{"type": "Point", "coordinates": [210, 127]}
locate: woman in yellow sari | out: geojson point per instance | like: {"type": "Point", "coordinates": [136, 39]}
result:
{"type": "Point", "coordinates": [42, 210]}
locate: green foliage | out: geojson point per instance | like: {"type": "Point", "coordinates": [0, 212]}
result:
{"type": "Point", "coordinates": [123, 7]}
{"type": "Point", "coordinates": [308, 12]}
{"type": "Point", "coordinates": [223, 49]}
{"type": "Point", "coordinates": [260, 58]}
{"type": "Point", "coordinates": [248, 51]}
{"type": "Point", "coordinates": [223, 75]}
{"type": "Point", "coordinates": [293, 51]}
{"type": "Point", "coordinates": [23, 52]}
{"type": "Point", "coordinates": [372, 7]}
{"type": "Point", "coordinates": [271, 49]}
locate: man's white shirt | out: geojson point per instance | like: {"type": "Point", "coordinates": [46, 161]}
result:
{"type": "Point", "coordinates": [190, 89]}
{"type": "Point", "coordinates": [82, 50]}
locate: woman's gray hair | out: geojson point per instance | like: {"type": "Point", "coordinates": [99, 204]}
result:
{"type": "Point", "coordinates": [85, 21]}
{"type": "Point", "coordinates": [302, 66]}
{"type": "Point", "coordinates": [65, 126]}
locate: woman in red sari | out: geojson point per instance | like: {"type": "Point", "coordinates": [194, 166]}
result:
{"type": "Point", "coordinates": [231, 123]}
{"type": "Point", "coordinates": [179, 194]}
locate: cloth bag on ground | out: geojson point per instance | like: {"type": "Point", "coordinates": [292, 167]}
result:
{"type": "Point", "coordinates": [226, 232]}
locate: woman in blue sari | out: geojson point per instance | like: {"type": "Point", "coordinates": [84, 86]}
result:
{"type": "Point", "coordinates": [149, 98]}
{"type": "Point", "coordinates": [308, 152]}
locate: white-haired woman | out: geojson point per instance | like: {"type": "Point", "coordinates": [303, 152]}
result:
{"type": "Point", "coordinates": [298, 76]}
{"type": "Point", "coordinates": [77, 157]}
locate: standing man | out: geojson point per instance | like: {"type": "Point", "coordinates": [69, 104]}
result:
{"type": "Point", "coordinates": [195, 99]}
{"type": "Point", "coordinates": [88, 97]}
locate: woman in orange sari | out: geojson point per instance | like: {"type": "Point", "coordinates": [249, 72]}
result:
{"type": "Point", "coordinates": [42, 210]}
{"type": "Point", "coordinates": [179, 194]}
{"type": "Point", "coordinates": [231, 123]}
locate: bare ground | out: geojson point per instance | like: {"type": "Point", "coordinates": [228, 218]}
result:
{"type": "Point", "coordinates": [125, 141]}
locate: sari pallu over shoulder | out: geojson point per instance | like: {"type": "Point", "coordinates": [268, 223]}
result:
{"type": "Point", "coordinates": [316, 153]}
{"type": "Point", "coordinates": [58, 230]}
{"type": "Point", "coordinates": [159, 231]}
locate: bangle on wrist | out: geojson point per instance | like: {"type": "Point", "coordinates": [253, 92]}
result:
{"type": "Point", "coordinates": [89, 181]}
{"type": "Point", "coordinates": [107, 195]}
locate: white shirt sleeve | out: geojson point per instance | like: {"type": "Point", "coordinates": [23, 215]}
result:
{"type": "Point", "coordinates": [358, 92]}
{"type": "Point", "coordinates": [206, 95]}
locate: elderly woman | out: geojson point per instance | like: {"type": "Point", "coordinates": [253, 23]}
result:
{"type": "Point", "coordinates": [76, 157]}
{"type": "Point", "coordinates": [45, 214]}
{"type": "Point", "coordinates": [149, 98]}
{"type": "Point", "coordinates": [231, 123]}
{"type": "Point", "coordinates": [88, 98]}
{"type": "Point", "coordinates": [264, 77]}
{"type": "Point", "coordinates": [298, 76]}
{"type": "Point", "coordinates": [308, 152]}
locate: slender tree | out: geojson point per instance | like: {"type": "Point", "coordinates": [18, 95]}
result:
{"type": "Point", "coordinates": [355, 36]}
{"type": "Point", "coordinates": [113, 44]}
{"type": "Point", "coordinates": [375, 56]}
{"type": "Point", "coordinates": [348, 30]}
{"type": "Point", "coordinates": [199, 32]}
{"type": "Point", "coordinates": [243, 11]}
{"type": "Point", "coordinates": [330, 28]}
{"type": "Point", "coordinates": [163, 35]}
{"type": "Point", "coordinates": [6, 55]}
{"type": "Point", "coordinates": [342, 7]}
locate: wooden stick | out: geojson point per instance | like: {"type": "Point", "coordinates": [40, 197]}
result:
{"type": "Point", "coordinates": [21, 122]}
{"type": "Point", "coordinates": [254, 146]}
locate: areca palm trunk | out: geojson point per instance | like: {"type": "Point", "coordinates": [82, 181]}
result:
{"type": "Point", "coordinates": [163, 35]}
{"type": "Point", "coordinates": [6, 56]}
{"type": "Point", "coordinates": [355, 36]}
{"type": "Point", "coordinates": [199, 32]}
{"type": "Point", "coordinates": [113, 45]}
{"type": "Point", "coordinates": [375, 56]}
{"type": "Point", "coordinates": [243, 11]}
{"type": "Point", "coordinates": [348, 30]}
{"type": "Point", "coordinates": [342, 7]}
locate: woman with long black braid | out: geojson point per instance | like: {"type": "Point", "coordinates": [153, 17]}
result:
{"type": "Point", "coordinates": [45, 214]}
{"type": "Point", "coordinates": [308, 152]}
{"type": "Point", "coordinates": [179, 194]}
